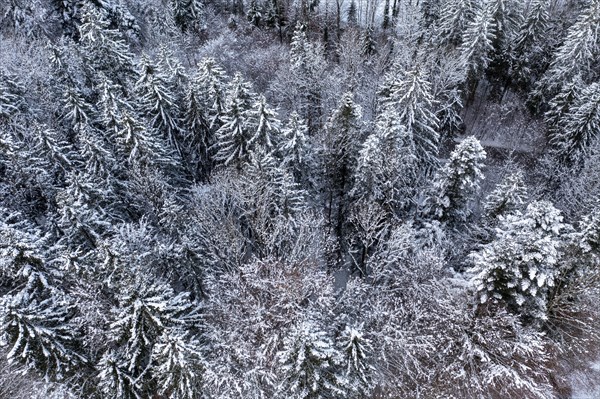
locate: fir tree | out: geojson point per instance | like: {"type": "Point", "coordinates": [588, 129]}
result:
{"type": "Point", "coordinates": [386, 166]}
{"type": "Point", "coordinates": [409, 94]}
{"type": "Point", "coordinates": [352, 14]}
{"type": "Point", "coordinates": [210, 83]}
{"type": "Point", "coordinates": [178, 365]}
{"type": "Point", "coordinates": [579, 126]}
{"type": "Point", "coordinates": [104, 49]}
{"type": "Point", "coordinates": [264, 125]}
{"type": "Point", "coordinates": [522, 264]}
{"type": "Point", "coordinates": [295, 149]}
{"type": "Point", "coordinates": [357, 370]}
{"type": "Point", "coordinates": [157, 101]}
{"type": "Point", "coordinates": [145, 311]}
{"type": "Point", "coordinates": [454, 17]}
{"type": "Point", "coordinates": [577, 54]}
{"type": "Point", "coordinates": [233, 136]}
{"type": "Point", "coordinates": [39, 332]}
{"type": "Point", "coordinates": [188, 14]}
{"type": "Point", "coordinates": [478, 40]}
{"type": "Point", "coordinates": [457, 181]}
{"type": "Point", "coordinates": [308, 362]}
{"type": "Point", "coordinates": [507, 197]}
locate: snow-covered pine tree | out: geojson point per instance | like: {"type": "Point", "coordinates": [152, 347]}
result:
{"type": "Point", "coordinates": [232, 138]}
{"type": "Point", "coordinates": [141, 146]}
{"type": "Point", "coordinates": [294, 149]}
{"type": "Point", "coordinates": [577, 54]}
{"type": "Point", "coordinates": [560, 105]}
{"type": "Point", "coordinates": [507, 197]}
{"type": "Point", "coordinates": [97, 156]}
{"type": "Point", "coordinates": [178, 365]}
{"type": "Point", "coordinates": [157, 101]}
{"type": "Point", "coordinates": [386, 167]}
{"type": "Point", "coordinates": [38, 328]}
{"type": "Point", "coordinates": [263, 125]}
{"type": "Point", "coordinates": [80, 218]}
{"type": "Point", "coordinates": [579, 127]}
{"type": "Point", "coordinates": [409, 94]}
{"type": "Point", "coordinates": [188, 14]}
{"type": "Point", "coordinates": [455, 183]}
{"type": "Point", "coordinates": [114, 380]}
{"type": "Point", "coordinates": [522, 264]}
{"type": "Point", "coordinates": [369, 46]}
{"type": "Point", "coordinates": [453, 20]}
{"type": "Point", "coordinates": [77, 109]}
{"type": "Point", "coordinates": [344, 135]}
{"type": "Point", "coordinates": [11, 96]}
{"type": "Point", "coordinates": [111, 107]}
{"type": "Point", "coordinates": [199, 136]}
{"type": "Point", "coordinates": [210, 83]}
{"type": "Point", "coordinates": [104, 48]}
{"type": "Point", "coordinates": [146, 309]}
{"type": "Point", "coordinates": [305, 78]}
{"type": "Point", "coordinates": [275, 193]}
{"type": "Point", "coordinates": [308, 362]}
{"type": "Point", "coordinates": [527, 53]}
{"type": "Point", "coordinates": [356, 374]}
{"type": "Point", "coordinates": [478, 40]}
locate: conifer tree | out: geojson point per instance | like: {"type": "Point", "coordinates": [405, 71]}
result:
{"type": "Point", "coordinates": [409, 94]}
{"type": "Point", "coordinates": [478, 40]}
{"type": "Point", "coordinates": [577, 54]}
{"type": "Point", "coordinates": [199, 136]}
{"type": "Point", "coordinates": [308, 363]}
{"type": "Point", "coordinates": [210, 82]}
{"type": "Point", "coordinates": [111, 107]}
{"type": "Point", "coordinates": [11, 96]}
{"type": "Point", "coordinates": [40, 333]}
{"type": "Point", "coordinates": [356, 368]}
{"type": "Point", "coordinates": [78, 110]}
{"type": "Point", "coordinates": [580, 125]}
{"type": "Point", "coordinates": [386, 168]}
{"type": "Point", "coordinates": [306, 67]}
{"type": "Point", "coordinates": [178, 365]}
{"type": "Point", "coordinates": [263, 125]}
{"type": "Point", "coordinates": [294, 148]}
{"type": "Point", "coordinates": [345, 131]}
{"type": "Point", "coordinates": [352, 14]}
{"type": "Point", "coordinates": [104, 48]}
{"type": "Point", "coordinates": [114, 380]}
{"type": "Point", "coordinates": [457, 181]}
{"type": "Point", "coordinates": [528, 54]}
{"type": "Point", "coordinates": [188, 14]}
{"type": "Point", "coordinates": [454, 17]}
{"type": "Point", "coordinates": [522, 264]}
{"type": "Point", "coordinates": [142, 146]}
{"type": "Point", "coordinates": [157, 101]}
{"type": "Point", "coordinates": [507, 197]}
{"type": "Point", "coordinates": [146, 309]}
{"type": "Point", "coordinates": [233, 136]}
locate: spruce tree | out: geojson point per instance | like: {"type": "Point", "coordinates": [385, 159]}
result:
{"type": "Point", "coordinates": [232, 138]}
{"type": "Point", "coordinates": [308, 363]}
{"type": "Point", "coordinates": [409, 94]}
{"type": "Point", "coordinates": [579, 126]}
{"type": "Point", "coordinates": [455, 183]}
{"type": "Point", "coordinates": [522, 265]}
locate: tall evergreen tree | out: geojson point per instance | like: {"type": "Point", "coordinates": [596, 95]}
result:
{"type": "Point", "coordinates": [409, 94]}
{"type": "Point", "coordinates": [456, 181]}
{"type": "Point", "coordinates": [233, 136]}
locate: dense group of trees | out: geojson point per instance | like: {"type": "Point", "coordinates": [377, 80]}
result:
{"type": "Point", "coordinates": [276, 199]}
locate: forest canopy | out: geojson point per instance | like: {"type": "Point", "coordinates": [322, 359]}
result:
{"type": "Point", "coordinates": [299, 199]}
